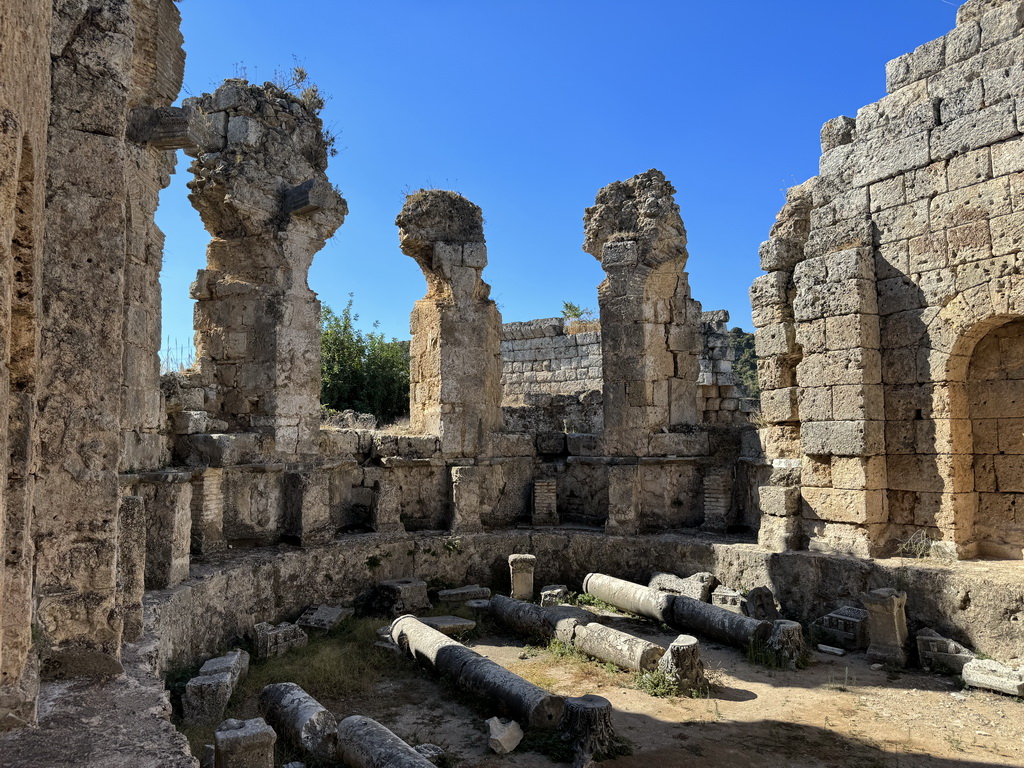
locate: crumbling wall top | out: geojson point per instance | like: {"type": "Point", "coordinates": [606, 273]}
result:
{"type": "Point", "coordinates": [432, 216]}
{"type": "Point", "coordinates": [641, 209]}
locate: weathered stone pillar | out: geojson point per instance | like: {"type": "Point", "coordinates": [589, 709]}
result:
{"type": "Point", "coordinates": [455, 371]}
{"type": "Point", "coordinates": [887, 625]}
{"type": "Point", "coordinates": [649, 324]}
{"type": "Point", "coordinates": [267, 202]}
{"type": "Point", "coordinates": [102, 257]}
{"type": "Point", "coordinates": [521, 569]}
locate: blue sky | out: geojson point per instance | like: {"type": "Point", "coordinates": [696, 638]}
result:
{"type": "Point", "coordinates": [529, 107]}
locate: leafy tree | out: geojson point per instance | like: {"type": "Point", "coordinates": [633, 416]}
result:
{"type": "Point", "coordinates": [745, 365]}
{"type": "Point", "coordinates": [362, 371]}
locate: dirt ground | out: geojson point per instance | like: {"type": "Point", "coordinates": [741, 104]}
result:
{"type": "Point", "coordinates": [837, 712]}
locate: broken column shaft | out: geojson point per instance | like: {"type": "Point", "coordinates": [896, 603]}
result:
{"type": "Point", "coordinates": [526, 702]}
{"type": "Point", "coordinates": [576, 627]}
{"type": "Point", "coordinates": [681, 612]}
{"type": "Point", "coordinates": [365, 743]}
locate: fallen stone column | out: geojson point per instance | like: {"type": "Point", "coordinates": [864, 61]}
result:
{"type": "Point", "coordinates": [300, 719]}
{"type": "Point", "coordinates": [620, 648]}
{"type": "Point", "coordinates": [533, 621]}
{"type": "Point", "coordinates": [718, 624]}
{"type": "Point", "coordinates": [365, 743]}
{"type": "Point", "coordinates": [576, 627]}
{"type": "Point", "coordinates": [524, 700]}
{"type": "Point", "coordinates": [631, 597]}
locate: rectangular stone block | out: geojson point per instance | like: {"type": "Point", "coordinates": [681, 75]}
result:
{"type": "Point", "coordinates": [891, 158]}
{"type": "Point", "coordinates": [780, 405]}
{"type": "Point", "coordinates": [843, 438]}
{"type": "Point", "coordinates": [690, 443]}
{"type": "Point", "coordinates": [974, 130]}
{"type": "Point", "coordinates": [856, 473]}
{"type": "Point", "coordinates": [838, 505]}
{"type": "Point", "coordinates": [779, 501]}
{"type": "Point", "coordinates": [840, 298]}
{"type": "Point", "coordinates": [993, 676]}
{"type": "Point", "coordinates": [916, 65]}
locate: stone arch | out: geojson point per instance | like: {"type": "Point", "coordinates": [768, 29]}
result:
{"type": "Point", "coordinates": [969, 354]}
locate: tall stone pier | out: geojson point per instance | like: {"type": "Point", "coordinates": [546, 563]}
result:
{"type": "Point", "coordinates": [455, 372]}
{"type": "Point", "coordinates": [649, 323]}
{"type": "Point", "coordinates": [265, 198]}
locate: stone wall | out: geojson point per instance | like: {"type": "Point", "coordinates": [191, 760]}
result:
{"type": "Point", "coordinates": [24, 115]}
{"type": "Point", "coordinates": [546, 357]}
{"type": "Point", "coordinates": [890, 275]}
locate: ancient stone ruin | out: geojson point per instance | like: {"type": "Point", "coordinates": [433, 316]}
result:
{"type": "Point", "coordinates": [150, 524]}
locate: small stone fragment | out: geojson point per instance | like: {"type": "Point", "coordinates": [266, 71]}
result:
{"type": "Point", "coordinates": [938, 652]}
{"type": "Point", "coordinates": [553, 594]}
{"type": "Point", "coordinates": [244, 744]}
{"type": "Point", "coordinates": [463, 594]}
{"type": "Point", "coordinates": [761, 604]}
{"type": "Point", "coordinates": [275, 641]}
{"type": "Point", "coordinates": [323, 617]}
{"type": "Point", "coordinates": [986, 673]}
{"type": "Point", "coordinates": [206, 697]}
{"type": "Point", "coordinates": [729, 599]}
{"type": "Point", "coordinates": [831, 650]}
{"type": "Point", "coordinates": [698, 586]}
{"type": "Point", "coordinates": [504, 735]}
{"type": "Point", "coordinates": [404, 596]}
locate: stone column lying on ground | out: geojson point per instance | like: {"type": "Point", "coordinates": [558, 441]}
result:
{"type": "Point", "coordinates": [718, 624]}
{"type": "Point", "coordinates": [300, 719]}
{"type": "Point", "coordinates": [631, 597]}
{"type": "Point", "coordinates": [521, 568]}
{"type": "Point", "coordinates": [365, 743]}
{"type": "Point", "coordinates": [682, 663]}
{"type": "Point", "coordinates": [887, 625]}
{"type": "Point", "coordinates": [586, 726]}
{"type": "Point", "coordinates": [244, 744]}
{"type": "Point", "coordinates": [526, 702]}
{"type": "Point", "coordinates": [536, 622]}
{"type": "Point", "coordinates": [576, 627]}
{"type": "Point", "coordinates": [620, 648]}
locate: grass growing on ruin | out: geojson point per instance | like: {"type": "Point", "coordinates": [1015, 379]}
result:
{"type": "Point", "coordinates": [343, 662]}
{"type": "Point", "coordinates": [547, 667]}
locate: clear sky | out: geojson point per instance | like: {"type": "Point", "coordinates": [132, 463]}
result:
{"type": "Point", "coordinates": [528, 108]}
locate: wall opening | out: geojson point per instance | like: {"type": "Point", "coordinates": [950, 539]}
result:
{"type": "Point", "coordinates": [995, 407]}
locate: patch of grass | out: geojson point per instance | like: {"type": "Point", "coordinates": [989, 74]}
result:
{"type": "Point", "coordinates": [834, 684]}
{"type": "Point", "coordinates": [547, 743]}
{"type": "Point", "coordinates": [586, 600]}
{"type": "Point", "coordinates": [656, 683]}
{"type": "Point", "coordinates": [345, 661]}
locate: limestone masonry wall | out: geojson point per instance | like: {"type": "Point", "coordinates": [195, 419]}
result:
{"type": "Point", "coordinates": [886, 322]}
{"type": "Point", "coordinates": [544, 357]}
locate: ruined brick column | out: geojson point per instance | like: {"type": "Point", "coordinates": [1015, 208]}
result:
{"type": "Point", "coordinates": [649, 323]}
{"type": "Point", "coordinates": [266, 200]}
{"type": "Point", "coordinates": [455, 372]}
